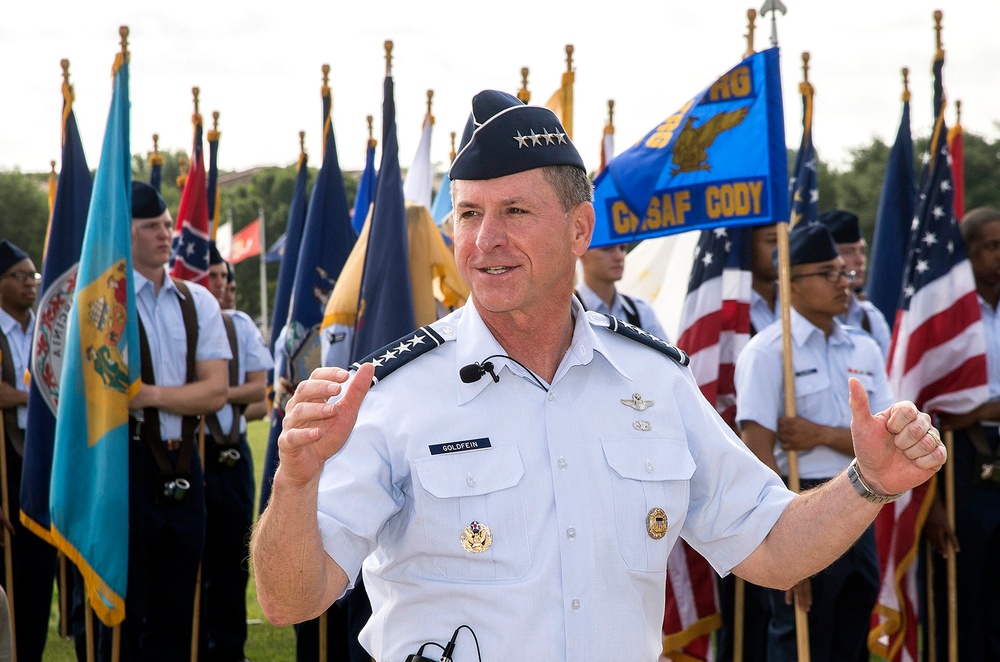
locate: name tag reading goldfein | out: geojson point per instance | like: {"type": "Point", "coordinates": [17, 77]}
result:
{"type": "Point", "coordinates": [477, 538]}
{"type": "Point", "coordinates": [460, 446]}
{"type": "Point", "coordinates": [656, 523]}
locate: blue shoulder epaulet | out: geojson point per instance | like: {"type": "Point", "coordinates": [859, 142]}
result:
{"type": "Point", "coordinates": [400, 352]}
{"type": "Point", "coordinates": [633, 332]}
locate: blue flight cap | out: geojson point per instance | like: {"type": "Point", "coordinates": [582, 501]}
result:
{"type": "Point", "coordinates": [10, 255]}
{"type": "Point", "coordinates": [230, 273]}
{"type": "Point", "coordinates": [214, 256]}
{"type": "Point", "coordinates": [503, 137]}
{"type": "Point", "coordinates": [809, 243]}
{"type": "Point", "coordinates": [843, 226]}
{"type": "Point", "coordinates": [146, 201]}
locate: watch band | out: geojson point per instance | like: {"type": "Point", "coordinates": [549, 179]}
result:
{"type": "Point", "coordinates": [865, 492]}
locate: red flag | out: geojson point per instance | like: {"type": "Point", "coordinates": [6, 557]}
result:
{"type": "Point", "coordinates": [189, 255]}
{"type": "Point", "coordinates": [246, 243]}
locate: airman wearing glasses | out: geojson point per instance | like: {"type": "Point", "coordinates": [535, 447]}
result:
{"type": "Point", "coordinates": [33, 559]}
{"type": "Point", "coordinates": [825, 354]}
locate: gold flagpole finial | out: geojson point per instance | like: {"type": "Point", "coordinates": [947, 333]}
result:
{"type": "Point", "coordinates": [938, 15]}
{"type": "Point", "coordinates": [751, 19]}
{"type": "Point", "coordinates": [906, 84]}
{"type": "Point", "coordinates": [611, 111]}
{"type": "Point", "coordinates": [371, 132]}
{"type": "Point", "coordinates": [215, 120]}
{"type": "Point", "coordinates": [156, 143]}
{"type": "Point", "coordinates": [196, 118]}
{"type": "Point", "coordinates": [430, 97]}
{"type": "Point", "coordinates": [326, 80]}
{"type": "Point", "coordinates": [302, 142]}
{"type": "Point", "coordinates": [569, 57]}
{"type": "Point", "coordinates": [451, 155]}
{"type": "Point", "coordinates": [805, 66]}
{"type": "Point", "coordinates": [52, 166]}
{"type": "Point", "coordinates": [64, 63]}
{"type": "Point", "coordinates": [123, 33]}
{"type": "Point", "coordinates": [388, 57]}
{"type": "Point", "coordinates": [958, 111]}
{"type": "Point", "coordinates": [523, 94]}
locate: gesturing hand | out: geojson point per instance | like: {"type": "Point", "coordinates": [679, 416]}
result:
{"type": "Point", "coordinates": [315, 429]}
{"type": "Point", "coordinates": [897, 449]}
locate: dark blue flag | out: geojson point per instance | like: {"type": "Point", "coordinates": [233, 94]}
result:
{"type": "Point", "coordinates": [282, 293]}
{"type": "Point", "coordinates": [803, 188]}
{"type": "Point", "coordinates": [366, 188]}
{"type": "Point", "coordinates": [385, 306]}
{"type": "Point", "coordinates": [213, 176]}
{"type": "Point", "coordinates": [718, 161]}
{"type": "Point", "coordinates": [59, 271]}
{"type": "Point", "coordinates": [155, 165]}
{"type": "Point", "coordinates": [892, 221]}
{"type": "Point", "coordinates": [277, 250]}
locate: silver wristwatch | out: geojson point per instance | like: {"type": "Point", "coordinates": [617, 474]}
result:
{"type": "Point", "coordinates": [863, 490]}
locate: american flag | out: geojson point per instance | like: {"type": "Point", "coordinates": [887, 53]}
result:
{"type": "Point", "coordinates": [715, 326]}
{"type": "Point", "coordinates": [803, 187]}
{"type": "Point", "coordinates": [937, 360]}
{"type": "Point", "coordinates": [189, 254]}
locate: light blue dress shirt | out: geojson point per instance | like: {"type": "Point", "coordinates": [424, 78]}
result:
{"type": "Point", "coordinates": [880, 331]}
{"type": "Point", "coordinates": [19, 340]}
{"type": "Point", "coordinates": [647, 318]}
{"type": "Point", "coordinates": [253, 356]}
{"type": "Point", "coordinates": [822, 367]}
{"type": "Point", "coordinates": [565, 477]}
{"type": "Point", "coordinates": [164, 325]}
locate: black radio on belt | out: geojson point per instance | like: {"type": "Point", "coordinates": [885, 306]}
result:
{"type": "Point", "coordinates": [228, 457]}
{"type": "Point", "coordinates": [176, 488]}
{"type": "Point", "coordinates": [446, 651]}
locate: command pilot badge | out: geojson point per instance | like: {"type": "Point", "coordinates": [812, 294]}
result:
{"type": "Point", "coordinates": [637, 402]}
{"type": "Point", "coordinates": [477, 538]}
{"type": "Point", "coordinates": [656, 523]}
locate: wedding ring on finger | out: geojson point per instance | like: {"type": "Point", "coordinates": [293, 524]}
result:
{"type": "Point", "coordinates": [933, 434]}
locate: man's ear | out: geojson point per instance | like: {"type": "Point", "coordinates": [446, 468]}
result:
{"type": "Point", "coordinates": [581, 220]}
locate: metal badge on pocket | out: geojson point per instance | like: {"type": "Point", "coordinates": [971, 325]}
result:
{"type": "Point", "coordinates": [656, 523]}
{"type": "Point", "coordinates": [477, 538]}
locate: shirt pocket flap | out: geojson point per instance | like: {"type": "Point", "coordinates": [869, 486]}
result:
{"type": "Point", "coordinates": [649, 459]}
{"type": "Point", "coordinates": [470, 474]}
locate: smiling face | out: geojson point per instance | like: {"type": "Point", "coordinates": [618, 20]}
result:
{"type": "Point", "coordinates": [515, 245]}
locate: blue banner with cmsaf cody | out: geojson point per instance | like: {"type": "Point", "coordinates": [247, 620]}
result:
{"type": "Point", "coordinates": [720, 160]}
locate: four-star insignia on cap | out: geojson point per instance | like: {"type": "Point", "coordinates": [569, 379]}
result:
{"type": "Point", "coordinates": [542, 139]}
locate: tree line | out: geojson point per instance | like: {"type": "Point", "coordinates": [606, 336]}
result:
{"type": "Point", "coordinates": [855, 186]}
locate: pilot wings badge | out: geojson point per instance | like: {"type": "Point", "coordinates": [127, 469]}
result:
{"type": "Point", "coordinates": [637, 403]}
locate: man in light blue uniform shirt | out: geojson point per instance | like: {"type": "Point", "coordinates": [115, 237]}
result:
{"type": "Point", "coordinates": [846, 233]}
{"type": "Point", "coordinates": [765, 302]}
{"type": "Point", "coordinates": [34, 560]}
{"type": "Point", "coordinates": [523, 467]}
{"type": "Point", "coordinates": [166, 480]}
{"type": "Point", "coordinates": [825, 354]}
{"type": "Point", "coordinates": [229, 483]}
{"type": "Point", "coordinates": [976, 537]}
{"type": "Point", "coordinates": [602, 268]}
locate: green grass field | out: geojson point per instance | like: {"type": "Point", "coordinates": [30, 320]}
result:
{"type": "Point", "coordinates": [265, 642]}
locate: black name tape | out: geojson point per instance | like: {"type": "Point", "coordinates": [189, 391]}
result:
{"type": "Point", "coordinates": [460, 446]}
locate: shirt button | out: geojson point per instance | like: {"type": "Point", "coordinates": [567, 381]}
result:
{"type": "Point", "coordinates": [563, 463]}
{"type": "Point", "coordinates": [571, 533]}
{"type": "Point", "coordinates": [649, 466]}
{"type": "Point", "coordinates": [471, 480]}
{"type": "Point", "coordinates": [575, 604]}
{"type": "Point", "coordinates": [552, 397]}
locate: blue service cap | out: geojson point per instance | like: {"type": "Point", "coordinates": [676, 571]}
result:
{"type": "Point", "coordinates": [10, 255]}
{"type": "Point", "coordinates": [230, 273]}
{"type": "Point", "coordinates": [843, 225]}
{"type": "Point", "coordinates": [504, 136]}
{"type": "Point", "coordinates": [146, 201]}
{"type": "Point", "coordinates": [809, 243]}
{"type": "Point", "coordinates": [214, 256]}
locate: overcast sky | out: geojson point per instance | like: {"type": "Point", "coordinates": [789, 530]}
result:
{"type": "Point", "coordinates": [259, 65]}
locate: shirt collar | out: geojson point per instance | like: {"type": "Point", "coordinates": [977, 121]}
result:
{"type": "Point", "coordinates": [140, 282]}
{"type": "Point", "coordinates": [803, 329]}
{"type": "Point", "coordinates": [477, 343]}
{"type": "Point", "coordinates": [8, 323]}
